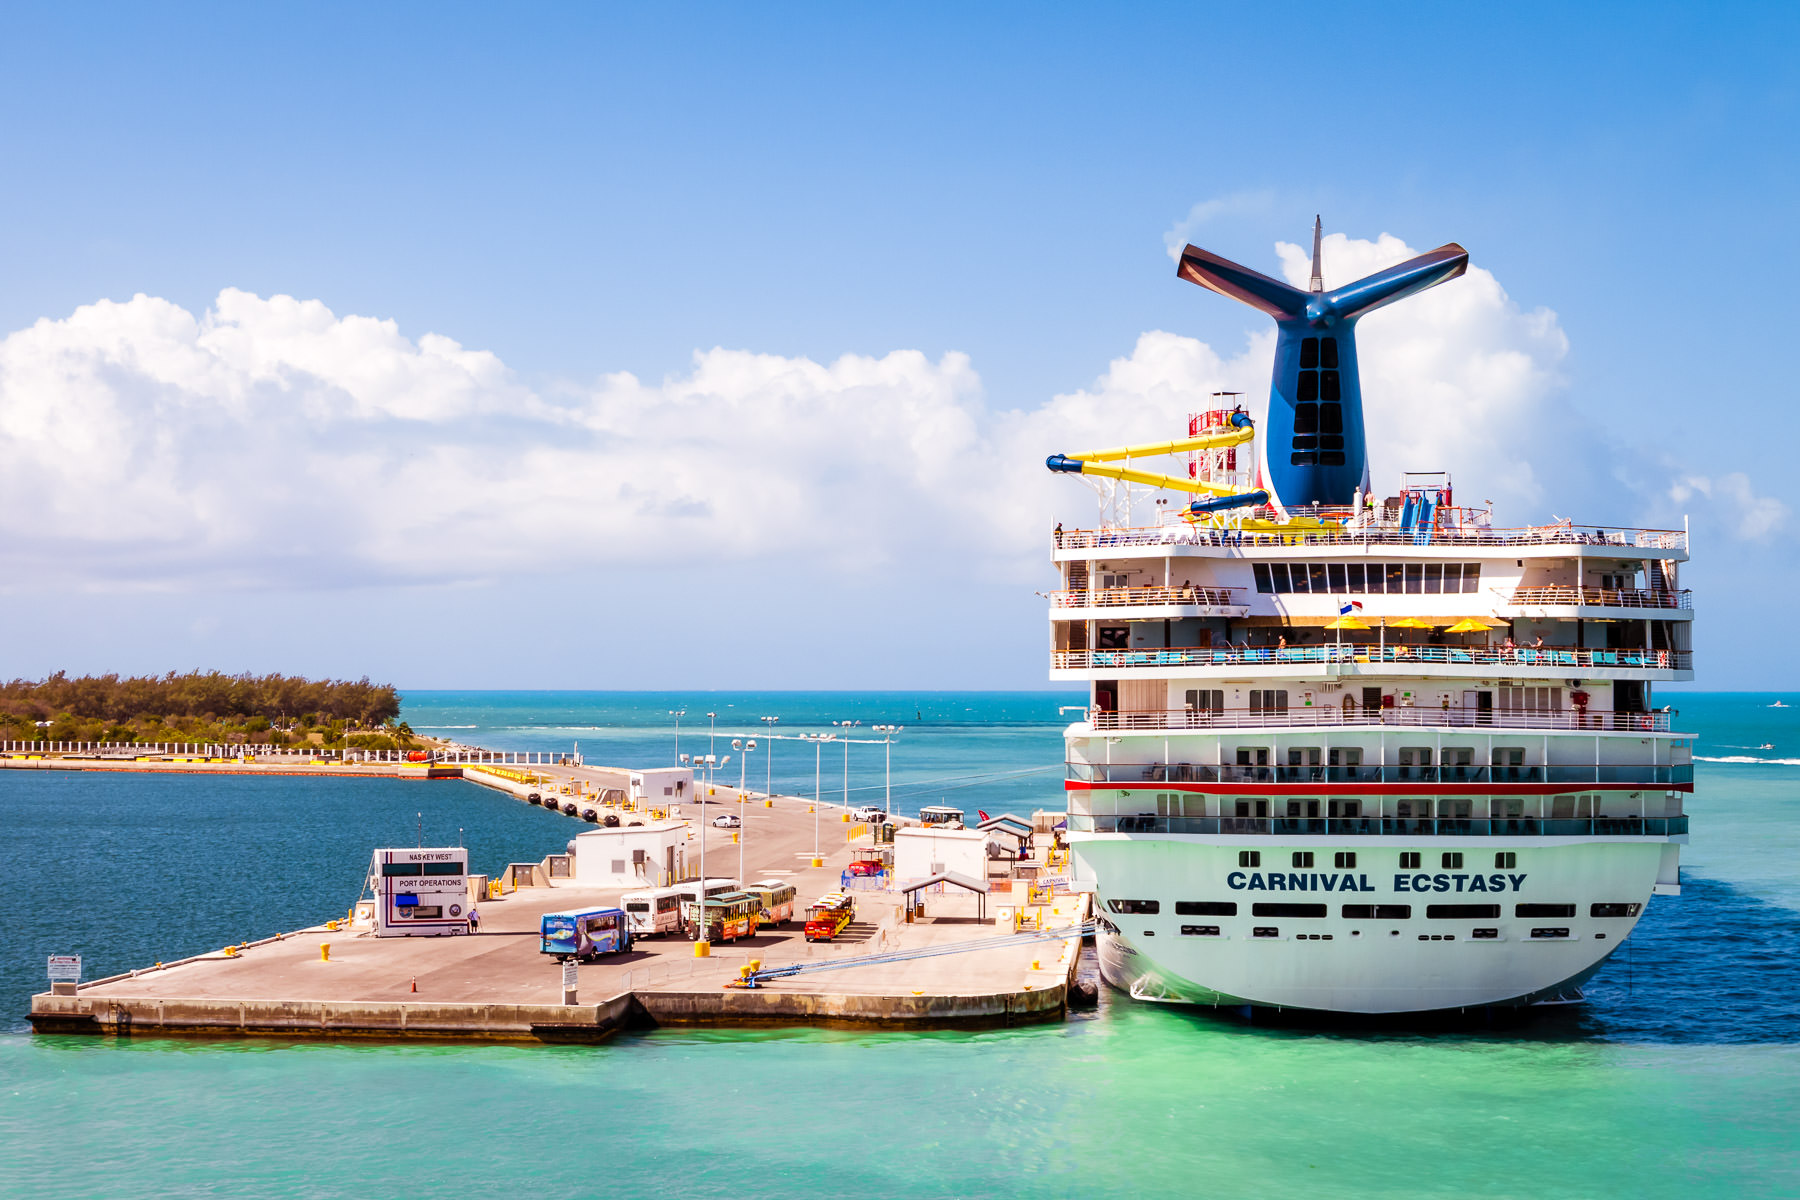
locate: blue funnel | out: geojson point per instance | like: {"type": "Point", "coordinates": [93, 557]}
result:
{"type": "Point", "coordinates": [1313, 437]}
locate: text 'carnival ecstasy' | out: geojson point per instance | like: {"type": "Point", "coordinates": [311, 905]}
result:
{"type": "Point", "coordinates": [1349, 753]}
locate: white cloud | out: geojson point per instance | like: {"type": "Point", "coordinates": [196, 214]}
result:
{"type": "Point", "coordinates": [1748, 516]}
{"type": "Point", "coordinates": [1205, 212]}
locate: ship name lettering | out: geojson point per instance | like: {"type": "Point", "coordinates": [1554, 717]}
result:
{"type": "Point", "coordinates": [1459, 883]}
{"type": "Point", "coordinates": [1296, 881]}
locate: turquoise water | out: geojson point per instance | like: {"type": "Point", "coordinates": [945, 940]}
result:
{"type": "Point", "coordinates": [1680, 1078]}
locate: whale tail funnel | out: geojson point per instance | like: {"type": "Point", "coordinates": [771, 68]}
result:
{"type": "Point", "coordinates": [1227, 278]}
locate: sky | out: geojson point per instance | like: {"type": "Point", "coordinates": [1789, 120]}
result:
{"type": "Point", "coordinates": [702, 347]}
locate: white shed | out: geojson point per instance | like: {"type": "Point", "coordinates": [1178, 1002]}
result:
{"type": "Point", "coordinates": [662, 786]}
{"type": "Point", "coordinates": [648, 855]}
{"type": "Point", "coordinates": [925, 851]}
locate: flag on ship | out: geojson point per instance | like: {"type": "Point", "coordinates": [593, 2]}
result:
{"type": "Point", "coordinates": [1348, 607]}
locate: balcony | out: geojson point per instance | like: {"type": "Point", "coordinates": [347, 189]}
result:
{"type": "Point", "coordinates": [1648, 775]}
{"type": "Point", "coordinates": [1548, 660]}
{"type": "Point", "coordinates": [1589, 597]}
{"type": "Point", "coordinates": [1332, 715]}
{"type": "Point", "coordinates": [1220, 601]}
{"type": "Point", "coordinates": [1385, 826]}
{"type": "Point", "coordinates": [1468, 533]}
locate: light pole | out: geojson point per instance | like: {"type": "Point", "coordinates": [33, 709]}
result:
{"type": "Point", "coordinates": [707, 763]}
{"type": "Point", "coordinates": [769, 763]}
{"type": "Point", "coordinates": [712, 720]}
{"type": "Point", "coordinates": [846, 726]}
{"type": "Point", "coordinates": [887, 733]}
{"type": "Point", "coordinates": [743, 763]}
{"type": "Point", "coordinates": [678, 713]}
{"type": "Point", "coordinates": [818, 740]}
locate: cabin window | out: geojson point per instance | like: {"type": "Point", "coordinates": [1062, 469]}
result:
{"type": "Point", "coordinates": [1199, 931]}
{"type": "Point", "coordinates": [1354, 580]}
{"type": "Point", "coordinates": [1542, 911]}
{"type": "Point", "coordinates": [1462, 912]}
{"type": "Point", "coordinates": [1485, 935]}
{"type": "Point", "coordinates": [1248, 858]}
{"type": "Point", "coordinates": [1415, 579]}
{"type": "Point", "coordinates": [1335, 577]}
{"type": "Point", "coordinates": [1148, 908]}
{"type": "Point", "coordinates": [1269, 700]}
{"type": "Point", "coordinates": [1452, 582]}
{"type": "Point", "coordinates": [1549, 934]}
{"type": "Point", "coordinates": [1377, 912]}
{"type": "Point", "coordinates": [1206, 699]}
{"type": "Point", "coordinates": [1279, 573]}
{"type": "Point", "coordinates": [1277, 909]}
{"type": "Point", "coordinates": [1453, 861]}
{"type": "Point", "coordinates": [1298, 576]}
{"type": "Point", "coordinates": [1265, 931]}
{"type": "Point", "coordinates": [1614, 910]}
{"type": "Point", "coordinates": [1415, 762]}
{"type": "Point", "coordinates": [1206, 908]}
{"type": "Point", "coordinates": [1303, 756]}
{"type": "Point", "coordinates": [1377, 574]}
{"type": "Point", "coordinates": [1317, 572]}
{"type": "Point", "coordinates": [1344, 860]}
{"type": "Point", "coordinates": [1506, 860]}
{"type": "Point", "coordinates": [1250, 808]}
{"type": "Point", "coordinates": [1303, 859]}
{"type": "Point", "coordinates": [1263, 583]}
{"type": "Point", "coordinates": [1471, 577]}
{"type": "Point", "coordinates": [1434, 578]}
{"type": "Point", "coordinates": [1409, 860]}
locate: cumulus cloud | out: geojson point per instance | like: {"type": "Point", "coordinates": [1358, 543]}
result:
{"type": "Point", "coordinates": [1748, 516]}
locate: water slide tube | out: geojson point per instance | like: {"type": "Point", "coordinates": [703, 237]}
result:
{"type": "Point", "coordinates": [1200, 508]}
{"type": "Point", "coordinates": [1088, 464]}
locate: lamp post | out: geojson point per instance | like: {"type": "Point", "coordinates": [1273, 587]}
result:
{"type": "Point", "coordinates": [769, 763]}
{"type": "Point", "coordinates": [846, 727]}
{"type": "Point", "coordinates": [818, 740]}
{"type": "Point", "coordinates": [708, 764]}
{"type": "Point", "coordinates": [712, 721]}
{"type": "Point", "coordinates": [743, 763]}
{"type": "Point", "coordinates": [887, 733]}
{"type": "Point", "coordinates": [678, 713]}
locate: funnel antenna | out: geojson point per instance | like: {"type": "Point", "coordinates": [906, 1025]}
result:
{"type": "Point", "coordinates": [1318, 278]}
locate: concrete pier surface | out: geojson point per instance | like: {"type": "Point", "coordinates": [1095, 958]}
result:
{"type": "Point", "coordinates": [496, 983]}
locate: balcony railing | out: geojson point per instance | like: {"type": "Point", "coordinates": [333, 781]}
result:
{"type": "Point", "coordinates": [1573, 774]}
{"type": "Point", "coordinates": [1547, 660]}
{"type": "Point", "coordinates": [1385, 826]}
{"type": "Point", "coordinates": [1336, 715]}
{"type": "Point", "coordinates": [1131, 596]}
{"type": "Point", "coordinates": [1545, 597]}
{"type": "Point", "coordinates": [1379, 535]}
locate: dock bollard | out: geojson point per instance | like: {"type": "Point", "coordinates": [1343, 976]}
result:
{"type": "Point", "coordinates": [818, 862]}
{"type": "Point", "coordinates": [332, 925]}
{"type": "Point", "coordinates": [702, 949]}
{"type": "Point", "coordinates": [324, 951]}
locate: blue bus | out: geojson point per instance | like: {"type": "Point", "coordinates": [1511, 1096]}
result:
{"type": "Point", "coordinates": [585, 933]}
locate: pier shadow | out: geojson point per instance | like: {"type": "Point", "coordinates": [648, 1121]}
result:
{"type": "Point", "coordinates": [1715, 965]}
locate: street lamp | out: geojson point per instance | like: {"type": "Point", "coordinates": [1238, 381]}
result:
{"type": "Point", "coordinates": [846, 726]}
{"type": "Point", "coordinates": [818, 740]}
{"type": "Point", "coordinates": [887, 733]}
{"type": "Point", "coordinates": [769, 762]}
{"type": "Point", "coordinates": [708, 764]}
{"type": "Point", "coordinates": [743, 762]}
{"type": "Point", "coordinates": [678, 713]}
{"type": "Point", "coordinates": [712, 720]}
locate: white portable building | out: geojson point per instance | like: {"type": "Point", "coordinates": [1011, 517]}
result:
{"type": "Point", "coordinates": [630, 856]}
{"type": "Point", "coordinates": [922, 852]}
{"type": "Point", "coordinates": [662, 786]}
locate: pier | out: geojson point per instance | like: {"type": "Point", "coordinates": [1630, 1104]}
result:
{"type": "Point", "coordinates": [335, 982]}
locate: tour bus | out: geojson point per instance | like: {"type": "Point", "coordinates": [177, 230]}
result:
{"type": "Point", "coordinates": [941, 816]}
{"type": "Point", "coordinates": [422, 892]}
{"type": "Point", "coordinates": [715, 887]}
{"type": "Point", "coordinates": [729, 917]}
{"type": "Point", "coordinates": [584, 933]}
{"type": "Point", "coordinates": [777, 901]}
{"type": "Point", "coordinates": [654, 911]}
{"type": "Point", "coordinates": [828, 916]}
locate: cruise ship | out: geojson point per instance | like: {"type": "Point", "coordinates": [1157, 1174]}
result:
{"type": "Point", "coordinates": [1355, 752]}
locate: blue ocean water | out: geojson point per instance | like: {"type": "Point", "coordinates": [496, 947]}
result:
{"type": "Point", "coordinates": [1680, 1077]}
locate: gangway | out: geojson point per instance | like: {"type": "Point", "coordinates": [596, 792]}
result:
{"type": "Point", "coordinates": [755, 977]}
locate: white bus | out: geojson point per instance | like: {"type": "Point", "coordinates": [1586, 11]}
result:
{"type": "Point", "coordinates": [423, 892]}
{"type": "Point", "coordinates": [654, 911]}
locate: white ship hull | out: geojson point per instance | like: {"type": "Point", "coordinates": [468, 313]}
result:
{"type": "Point", "coordinates": [1361, 964]}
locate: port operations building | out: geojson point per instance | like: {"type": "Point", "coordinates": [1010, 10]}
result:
{"type": "Point", "coordinates": [648, 855]}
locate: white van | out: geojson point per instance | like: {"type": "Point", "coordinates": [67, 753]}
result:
{"type": "Point", "coordinates": [652, 912]}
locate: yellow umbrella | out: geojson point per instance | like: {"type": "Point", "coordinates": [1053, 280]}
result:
{"type": "Point", "coordinates": [1469, 625]}
{"type": "Point", "coordinates": [1410, 623]}
{"type": "Point", "coordinates": [1346, 623]}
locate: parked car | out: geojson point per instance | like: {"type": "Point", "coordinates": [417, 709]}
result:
{"type": "Point", "coordinates": [726, 821]}
{"type": "Point", "coordinates": [866, 866]}
{"type": "Point", "coordinates": [868, 812]}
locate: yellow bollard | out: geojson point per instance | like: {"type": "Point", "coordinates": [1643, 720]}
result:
{"type": "Point", "coordinates": [818, 862]}
{"type": "Point", "coordinates": [324, 951]}
{"type": "Point", "coordinates": [768, 804]}
{"type": "Point", "coordinates": [702, 949]}
{"type": "Point", "coordinates": [846, 818]}
{"type": "Point", "coordinates": [231, 952]}
{"type": "Point", "coordinates": [332, 925]}
{"type": "Point", "coordinates": [1037, 964]}
{"type": "Point", "coordinates": [734, 838]}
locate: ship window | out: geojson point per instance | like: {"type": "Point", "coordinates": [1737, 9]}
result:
{"type": "Point", "coordinates": [1270, 700]}
{"type": "Point", "coordinates": [1300, 459]}
{"type": "Point", "coordinates": [1486, 935]}
{"type": "Point", "coordinates": [1331, 419]}
{"type": "Point", "coordinates": [1263, 584]}
{"type": "Point", "coordinates": [1303, 859]}
{"type": "Point", "coordinates": [1147, 908]}
{"type": "Point", "coordinates": [1354, 574]}
{"type": "Point", "coordinates": [1309, 353]}
{"type": "Point", "coordinates": [1265, 931]}
{"type": "Point", "coordinates": [1305, 441]}
{"type": "Point", "coordinates": [1462, 912]}
{"type": "Point", "coordinates": [1331, 458]}
{"type": "Point", "coordinates": [1278, 909]}
{"type": "Point", "coordinates": [1309, 388]}
{"type": "Point", "coordinates": [1335, 575]}
{"type": "Point", "coordinates": [1415, 578]}
{"type": "Point", "coordinates": [1319, 586]}
{"type": "Point", "coordinates": [1550, 933]}
{"type": "Point", "coordinates": [1306, 418]}
{"type": "Point", "coordinates": [1506, 860]}
{"type": "Point", "coordinates": [1298, 577]}
{"type": "Point", "coordinates": [1377, 573]}
{"type": "Point", "coordinates": [1206, 699]}
{"type": "Point", "coordinates": [1453, 862]}
{"type": "Point", "coordinates": [1471, 576]}
{"type": "Point", "coordinates": [1614, 910]}
{"type": "Point", "coordinates": [1377, 912]}
{"type": "Point", "coordinates": [1328, 353]}
{"type": "Point", "coordinates": [1206, 908]}
{"type": "Point", "coordinates": [1409, 860]}
{"type": "Point", "coordinates": [1541, 911]}
{"type": "Point", "coordinates": [1249, 858]}
{"type": "Point", "coordinates": [1344, 860]}
{"type": "Point", "coordinates": [1434, 579]}
{"type": "Point", "coordinates": [1452, 578]}
{"type": "Point", "coordinates": [1199, 931]}
{"type": "Point", "coordinates": [1250, 808]}
{"type": "Point", "coordinates": [1279, 573]}
{"type": "Point", "coordinates": [1328, 387]}
{"type": "Point", "coordinates": [1396, 578]}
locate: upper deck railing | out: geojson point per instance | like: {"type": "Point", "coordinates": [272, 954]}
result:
{"type": "Point", "coordinates": [1335, 715]}
{"type": "Point", "coordinates": [1469, 534]}
{"type": "Point", "coordinates": [1547, 660]}
{"type": "Point", "coordinates": [1545, 597]}
{"type": "Point", "coordinates": [1132, 596]}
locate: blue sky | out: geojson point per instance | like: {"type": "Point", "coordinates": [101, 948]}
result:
{"type": "Point", "coordinates": [974, 203]}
